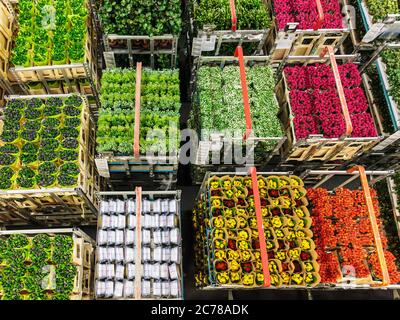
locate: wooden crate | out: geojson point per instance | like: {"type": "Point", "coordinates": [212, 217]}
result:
{"type": "Point", "coordinates": [315, 148]}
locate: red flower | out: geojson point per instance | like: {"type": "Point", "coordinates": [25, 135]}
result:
{"type": "Point", "coordinates": [221, 266]}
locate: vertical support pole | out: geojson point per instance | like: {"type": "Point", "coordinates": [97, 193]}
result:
{"type": "Point", "coordinates": [136, 134]}
{"type": "Point", "coordinates": [138, 245]}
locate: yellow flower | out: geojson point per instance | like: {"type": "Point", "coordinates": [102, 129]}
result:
{"type": "Point", "coordinates": [246, 255]}
{"type": "Point", "coordinates": [223, 277]}
{"type": "Point", "coordinates": [219, 244]}
{"type": "Point", "coordinates": [257, 255]}
{"type": "Point", "coordinates": [300, 234]}
{"type": "Point", "coordinates": [298, 278]}
{"type": "Point", "coordinates": [282, 183]}
{"type": "Point", "coordinates": [274, 279]}
{"type": "Point", "coordinates": [286, 202]}
{"type": "Point", "coordinates": [235, 277]}
{"type": "Point", "coordinates": [252, 211]}
{"type": "Point", "coordinates": [299, 212]}
{"type": "Point", "coordinates": [252, 222]}
{"type": "Point", "coordinates": [237, 183]}
{"type": "Point", "coordinates": [243, 235]}
{"type": "Point", "coordinates": [270, 245]}
{"type": "Point", "coordinates": [234, 265]}
{"type": "Point", "coordinates": [232, 233]}
{"type": "Point", "coordinates": [285, 277]}
{"type": "Point", "coordinates": [309, 278]}
{"type": "Point", "coordinates": [254, 234]}
{"type": "Point", "coordinates": [243, 245]}
{"type": "Point", "coordinates": [276, 222]}
{"type": "Point", "coordinates": [242, 222]}
{"type": "Point", "coordinates": [291, 223]}
{"type": "Point", "coordinates": [216, 203]}
{"type": "Point", "coordinates": [248, 182]}
{"type": "Point", "coordinates": [231, 223]}
{"type": "Point", "coordinates": [219, 222]}
{"type": "Point", "coordinates": [260, 277]}
{"type": "Point", "coordinates": [294, 254]}
{"type": "Point", "coordinates": [266, 222]}
{"type": "Point", "coordinates": [258, 265]}
{"type": "Point", "coordinates": [305, 245]}
{"type": "Point", "coordinates": [309, 266]}
{"type": "Point", "coordinates": [261, 183]}
{"type": "Point", "coordinates": [248, 279]}
{"type": "Point", "coordinates": [279, 233]}
{"type": "Point", "coordinates": [274, 202]}
{"type": "Point", "coordinates": [294, 182]}
{"type": "Point", "coordinates": [301, 224]}
{"type": "Point", "coordinates": [238, 193]}
{"type": "Point", "coordinates": [219, 234]}
{"type": "Point", "coordinates": [214, 185]}
{"type": "Point", "coordinates": [241, 212]}
{"type": "Point", "coordinates": [228, 212]}
{"type": "Point", "coordinates": [229, 193]}
{"type": "Point", "coordinates": [281, 255]}
{"type": "Point", "coordinates": [264, 212]}
{"type": "Point", "coordinates": [233, 255]}
{"type": "Point", "coordinates": [291, 235]}
{"type": "Point", "coordinates": [220, 254]}
{"type": "Point", "coordinates": [272, 184]}
{"type": "Point", "coordinates": [273, 266]}
{"type": "Point", "coordinates": [263, 193]}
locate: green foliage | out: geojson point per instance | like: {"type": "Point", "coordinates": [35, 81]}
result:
{"type": "Point", "coordinates": [135, 17]}
{"type": "Point", "coordinates": [50, 134]}
{"type": "Point", "coordinates": [160, 105]}
{"type": "Point", "coordinates": [251, 14]}
{"type": "Point", "coordinates": [27, 264]}
{"type": "Point", "coordinates": [219, 100]}
{"type": "Point", "coordinates": [379, 9]}
{"type": "Point", "coordinates": [50, 32]}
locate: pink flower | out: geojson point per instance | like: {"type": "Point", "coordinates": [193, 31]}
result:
{"type": "Point", "coordinates": [297, 77]}
{"type": "Point", "coordinates": [327, 102]}
{"type": "Point", "coordinates": [301, 102]}
{"type": "Point", "coordinates": [350, 75]}
{"type": "Point", "coordinates": [333, 125]}
{"type": "Point", "coordinates": [356, 100]}
{"type": "Point", "coordinates": [305, 126]}
{"type": "Point", "coordinates": [322, 77]}
{"type": "Point", "coordinates": [363, 126]}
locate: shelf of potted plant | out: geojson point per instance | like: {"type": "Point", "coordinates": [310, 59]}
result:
{"type": "Point", "coordinates": [149, 221]}
{"type": "Point", "coordinates": [47, 158]}
{"type": "Point", "coordinates": [46, 264]}
{"type": "Point", "coordinates": [308, 223]}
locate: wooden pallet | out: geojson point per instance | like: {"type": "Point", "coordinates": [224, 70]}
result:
{"type": "Point", "coordinates": [315, 148]}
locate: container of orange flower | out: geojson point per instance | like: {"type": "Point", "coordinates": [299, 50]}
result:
{"type": "Point", "coordinates": [318, 232]}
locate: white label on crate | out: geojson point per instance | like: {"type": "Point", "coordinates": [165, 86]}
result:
{"type": "Point", "coordinates": [157, 254]}
{"type": "Point", "coordinates": [100, 288]}
{"type": "Point", "coordinates": [131, 206]}
{"type": "Point", "coordinates": [156, 221]}
{"type": "Point", "coordinates": [101, 271]}
{"type": "Point", "coordinates": [129, 237]}
{"type": "Point", "coordinates": [119, 237]}
{"type": "Point", "coordinates": [110, 271]}
{"type": "Point", "coordinates": [147, 221]}
{"type": "Point", "coordinates": [118, 290]}
{"type": "Point", "coordinates": [156, 271]}
{"type": "Point", "coordinates": [164, 206]}
{"type": "Point", "coordinates": [163, 221]}
{"type": "Point", "coordinates": [174, 236]}
{"type": "Point", "coordinates": [102, 237]}
{"type": "Point", "coordinates": [111, 238]}
{"type": "Point", "coordinates": [114, 221]}
{"type": "Point", "coordinates": [157, 237]}
{"type": "Point", "coordinates": [146, 236]}
{"type": "Point", "coordinates": [165, 288]}
{"type": "Point", "coordinates": [109, 289]}
{"type": "Point", "coordinates": [208, 44]}
{"type": "Point", "coordinates": [130, 271]}
{"type": "Point", "coordinates": [102, 254]}
{"type": "Point", "coordinates": [174, 285]}
{"type": "Point", "coordinates": [102, 167]}
{"type": "Point", "coordinates": [121, 221]}
{"type": "Point", "coordinates": [119, 254]}
{"type": "Point", "coordinates": [286, 43]}
{"type": "Point", "coordinates": [120, 206]}
{"type": "Point", "coordinates": [147, 270]}
{"type": "Point", "coordinates": [129, 255]}
{"type": "Point", "coordinates": [173, 271]}
{"type": "Point", "coordinates": [157, 205]}
{"type": "Point", "coordinates": [157, 288]}
{"type": "Point", "coordinates": [146, 288]}
{"type": "Point", "coordinates": [119, 272]}
{"type": "Point", "coordinates": [129, 289]}
{"type": "Point", "coordinates": [164, 271]}
{"type": "Point", "coordinates": [146, 254]}
{"type": "Point", "coordinates": [172, 206]}
{"type": "Point", "coordinates": [166, 254]}
{"type": "Point", "coordinates": [112, 206]}
{"type": "Point", "coordinates": [105, 221]}
{"type": "Point", "coordinates": [165, 237]}
{"type": "Point", "coordinates": [175, 256]}
{"type": "Point", "coordinates": [171, 221]}
{"type": "Point", "coordinates": [104, 207]}
{"type": "Point", "coordinates": [146, 206]}
{"type": "Point", "coordinates": [132, 221]}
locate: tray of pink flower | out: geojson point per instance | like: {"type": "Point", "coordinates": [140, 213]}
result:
{"type": "Point", "coordinates": [311, 109]}
{"type": "Point", "coordinates": [305, 13]}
